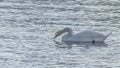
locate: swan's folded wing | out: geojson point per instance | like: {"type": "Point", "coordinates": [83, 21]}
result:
{"type": "Point", "coordinates": [88, 35]}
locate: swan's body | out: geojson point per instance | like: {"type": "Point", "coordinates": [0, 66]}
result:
{"type": "Point", "coordinates": [84, 36]}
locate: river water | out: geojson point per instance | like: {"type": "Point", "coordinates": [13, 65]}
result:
{"type": "Point", "coordinates": [28, 26]}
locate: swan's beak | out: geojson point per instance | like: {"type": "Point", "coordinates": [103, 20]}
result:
{"type": "Point", "coordinates": [57, 34]}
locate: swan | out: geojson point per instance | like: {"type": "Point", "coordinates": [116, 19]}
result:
{"type": "Point", "coordinates": [83, 36]}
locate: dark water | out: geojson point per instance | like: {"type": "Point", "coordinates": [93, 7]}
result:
{"type": "Point", "coordinates": [28, 26]}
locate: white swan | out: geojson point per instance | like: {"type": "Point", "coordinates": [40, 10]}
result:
{"type": "Point", "coordinates": [84, 36]}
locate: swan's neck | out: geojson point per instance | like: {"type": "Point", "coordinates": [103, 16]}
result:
{"type": "Point", "coordinates": [69, 32]}
{"type": "Point", "coordinates": [68, 35]}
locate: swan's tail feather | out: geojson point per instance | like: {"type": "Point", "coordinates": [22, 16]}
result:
{"type": "Point", "coordinates": [108, 35]}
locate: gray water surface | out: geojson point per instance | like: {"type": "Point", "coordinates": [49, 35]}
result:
{"type": "Point", "coordinates": [28, 26]}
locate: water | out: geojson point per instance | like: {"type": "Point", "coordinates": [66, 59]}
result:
{"type": "Point", "coordinates": [28, 26]}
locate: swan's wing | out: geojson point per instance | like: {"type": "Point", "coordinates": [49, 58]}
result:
{"type": "Point", "coordinates": [88, 35]}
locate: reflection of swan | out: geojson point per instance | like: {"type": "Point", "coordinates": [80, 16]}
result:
{"type": "Point", "coordinates": [84, 36]}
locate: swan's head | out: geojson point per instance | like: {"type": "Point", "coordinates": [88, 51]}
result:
{"type": "Point", "coordinates": [58, 33]}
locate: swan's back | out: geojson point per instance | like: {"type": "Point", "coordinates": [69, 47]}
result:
{"type": "Point", "coordinates": [87, 35]}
